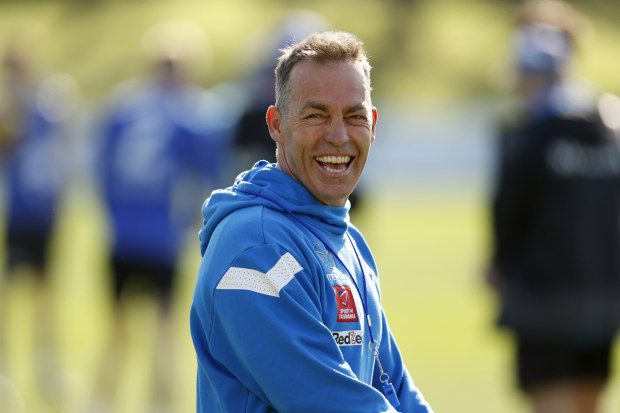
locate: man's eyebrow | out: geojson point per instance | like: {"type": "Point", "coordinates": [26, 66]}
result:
{"type": "Point", "coordinates": [320, 106]}
{"type": "Point", "coordinates": [356, 108]}
{"type": "Point", "coordinates": [314, 105]}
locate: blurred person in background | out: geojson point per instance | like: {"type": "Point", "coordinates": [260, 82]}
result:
{"type": "Point", "coordinates": [35, 113]}
{"type": "Point", "coordinates": [555, 219]}
{"type": "Point", "coordinates": [286, 314]}
{"type": "Point", "coordinates": [163, 144]}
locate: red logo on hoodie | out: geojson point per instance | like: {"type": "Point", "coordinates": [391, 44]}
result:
{"type": "Point", "coordinates": [347, 312]}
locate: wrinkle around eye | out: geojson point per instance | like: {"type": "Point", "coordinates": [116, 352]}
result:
{"type": "Point", "coordinates": [359, 121]}
{"type": "Point", "coordinates": [303, 120]}
{"type": "Point", "coordinates": [314, 119]}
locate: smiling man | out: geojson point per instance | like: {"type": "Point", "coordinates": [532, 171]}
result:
{"type": "Point", "coordinates": [287, 313]}
{"type": "Point", "coordinates": [323, 125]}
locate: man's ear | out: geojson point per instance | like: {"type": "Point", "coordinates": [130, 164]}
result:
{"type": "Point", "coordinates": [274, 122]}
{"type": "Point", "coordinates": [374, 123]}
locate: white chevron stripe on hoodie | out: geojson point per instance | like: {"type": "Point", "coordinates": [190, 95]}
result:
{"type": "Point", "coordinates": [269, 283]}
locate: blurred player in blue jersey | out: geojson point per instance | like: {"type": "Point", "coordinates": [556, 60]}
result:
{"type": "Point", "coordinates": [163, 145]}
{"type": "Point", "coordinates": [35, 112]}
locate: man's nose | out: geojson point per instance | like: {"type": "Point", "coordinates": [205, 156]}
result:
{"type": "Point", "coordinates": [337, 132]}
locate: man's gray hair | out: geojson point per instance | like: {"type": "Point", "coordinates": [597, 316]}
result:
{"type": "Point", "coordinates": [319, 47]}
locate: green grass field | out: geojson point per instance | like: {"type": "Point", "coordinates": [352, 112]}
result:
{"type": "Point", "coordinates": [430, 253]}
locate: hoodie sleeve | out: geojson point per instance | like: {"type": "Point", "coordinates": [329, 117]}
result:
{"type": "Point", "coordinates": [265, 330]}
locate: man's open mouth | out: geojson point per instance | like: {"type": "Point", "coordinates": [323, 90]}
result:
{"type": "Point", "coordinates": [334, 164]}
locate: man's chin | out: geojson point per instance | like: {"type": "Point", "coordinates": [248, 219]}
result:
{"type": "Point", "coordinates": [333, 199]}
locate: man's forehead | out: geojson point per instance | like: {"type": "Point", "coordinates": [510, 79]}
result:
{"type": "Point", "coordinates": [318, 84]}
{"type": "Point", "coordinates": [301, 69]}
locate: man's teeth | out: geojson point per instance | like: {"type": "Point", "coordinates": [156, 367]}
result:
{"type": "Point", "coordinates": [327, 162]}
{"type": "Point", "coordinates": [333, 159]}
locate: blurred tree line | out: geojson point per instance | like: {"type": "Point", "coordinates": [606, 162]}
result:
{"type": "Point", "coordinates": [424, 49]}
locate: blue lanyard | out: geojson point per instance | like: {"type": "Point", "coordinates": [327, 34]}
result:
{"type": "Point", "coordinates": [387, 388]}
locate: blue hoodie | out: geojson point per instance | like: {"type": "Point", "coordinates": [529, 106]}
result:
{"type": "Point", "coordinates": [277, 323]}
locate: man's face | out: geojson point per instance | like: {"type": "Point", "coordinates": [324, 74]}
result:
{"type": "Point", "coordinates": [325, 136]}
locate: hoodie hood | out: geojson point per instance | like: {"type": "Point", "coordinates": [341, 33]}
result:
{"type": "Point", "coordinates": [266, 180]}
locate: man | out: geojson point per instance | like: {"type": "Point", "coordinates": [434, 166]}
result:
{"type": "Point", "coordinates": [286, 314]}
{"type": "Point", "coordinates": [556, 261]}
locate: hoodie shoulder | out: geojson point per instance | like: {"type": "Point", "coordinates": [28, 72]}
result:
{"type": "Point", "coordinates": [254, 226]}
{"type": "Point", "coordinates": [240, 230]}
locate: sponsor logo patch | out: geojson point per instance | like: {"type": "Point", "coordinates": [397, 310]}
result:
{"type": "Point", "coordinates": [347, 312]}
{"type": "Point", "coordinates": [326, 256]}
{"type": "Point", "coordinates": [348, 338]}
{"type": "Point", "coordinates": [337, 277]}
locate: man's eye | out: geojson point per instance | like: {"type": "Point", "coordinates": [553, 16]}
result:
{"type": "Point", "coordinates": [358, 118]}
{"type": "Point", "coordinates": [315, 118]}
